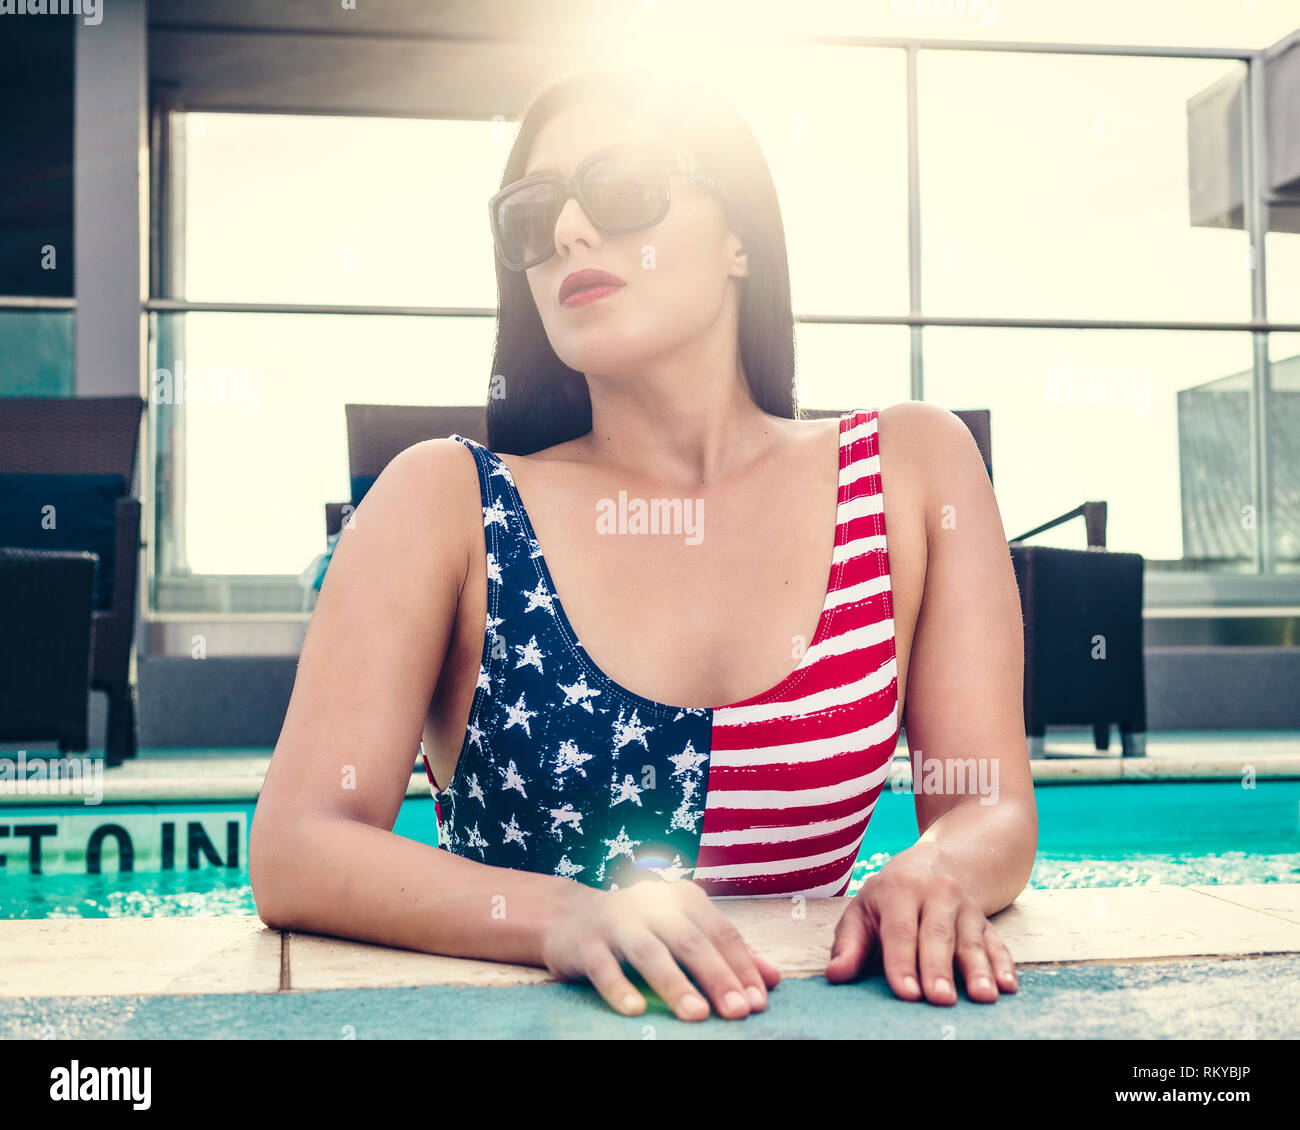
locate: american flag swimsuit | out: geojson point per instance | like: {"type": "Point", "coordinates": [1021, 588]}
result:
{"type": "Point", "coordinates": [566, 772]}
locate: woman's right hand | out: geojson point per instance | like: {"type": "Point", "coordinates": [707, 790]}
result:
{"type": "Point", "coordinates": [658, 928]}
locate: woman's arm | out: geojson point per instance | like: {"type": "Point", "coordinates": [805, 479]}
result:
{"type": "Point", "coordinates": [322, 856]}
{"type": "Point", "coordinates": [965, 683]}
{"type": "Point", "coordinates": [964, 718]}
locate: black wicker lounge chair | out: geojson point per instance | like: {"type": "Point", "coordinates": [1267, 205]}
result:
{"type": "Point", "coordinates": [45, 652]}
{"type": "Point", "coordinates": [91, 436]}
{"type": "Point", "coordinates": [1084, 659]}
{"type": "Point", "coordinates": [378, 432]}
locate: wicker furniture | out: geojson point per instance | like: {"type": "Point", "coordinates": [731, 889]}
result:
{"type": "Point", "coordinates": [90, 435]}
{"type": "Point", "coordinates": [46, 649]}
{"type": "Point", "coordinates": [378, 432]}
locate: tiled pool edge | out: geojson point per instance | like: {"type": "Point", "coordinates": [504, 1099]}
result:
{"type": "Point", "coordinates": [1050, 770]}
{"type": "Point", "coordinates": [118, 957]}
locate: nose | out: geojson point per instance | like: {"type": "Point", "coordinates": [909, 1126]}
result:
{"type": "Point", "coordinates": [573, 226]}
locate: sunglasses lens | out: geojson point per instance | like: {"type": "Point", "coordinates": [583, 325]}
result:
{"type": "Point", "coordinates": [626, 191]}
{"type": "Point", "coordinates": [526, 222]}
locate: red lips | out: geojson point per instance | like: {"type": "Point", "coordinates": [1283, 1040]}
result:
{"type": "Point", "coordinates": [587, 277]}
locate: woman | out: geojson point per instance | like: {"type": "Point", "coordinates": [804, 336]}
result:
{"type": "Point", "coordinates": [596, 797]}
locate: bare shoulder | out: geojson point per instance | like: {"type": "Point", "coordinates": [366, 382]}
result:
{"type": "Point", "coordinates": [429, 482]}
{"type": "Point", "coordinates": [427, 497]}
{"type": "Point", "coordinates": [930, 444]}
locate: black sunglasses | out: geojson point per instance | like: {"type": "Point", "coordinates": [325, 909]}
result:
{"type": "Point", "coordinates": [621, 189]}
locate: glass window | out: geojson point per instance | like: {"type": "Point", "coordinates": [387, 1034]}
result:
{"type": "Point", "coordinates": [832, 124]}
{"type": "Point", "coordinates": [251, 435]}
{"type": "Point", "coordinates": [1057, 186]}
{"type": "Point", "coordinates": [1182, 23]}
{"type": "Point", "coordinates": [1155, 424]}
{"type": "Point", "coordinates": [338, 210]}
{"type": "Point", "coordinates": [843, 367]}
{"type": "Point", "coordinates": [36, 350]}
{"type": "Point", "coordinates": [1282, 270]}
{"type": "Point", "coordinates": [1283, 451]}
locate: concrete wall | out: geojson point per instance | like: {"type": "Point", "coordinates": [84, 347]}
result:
{"type": "Point", "coordinates": [242, 701]}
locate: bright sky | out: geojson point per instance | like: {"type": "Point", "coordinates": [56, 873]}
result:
{"type": "Point", "coordinates": [1051, 186]}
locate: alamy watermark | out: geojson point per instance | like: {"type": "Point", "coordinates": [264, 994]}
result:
{"type": "Point", "coordinates": [952, 776]}
{"type": "Point", "coordinates": [651, 516]}
{"type": "Point", "coordinates": [53, 776]}
{"type": "Point", "coordinates": [90, 11]}
{"type": "Point", "coordinates": [241, 387]}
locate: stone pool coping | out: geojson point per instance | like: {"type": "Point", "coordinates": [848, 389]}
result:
{"type": "Point", "coordinates": [119, 957]}
{"type": "Point", "coordinates": [225, 775]}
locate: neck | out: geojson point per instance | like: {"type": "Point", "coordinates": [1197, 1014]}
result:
{"type": "Point", "coordinates": [667, 423]}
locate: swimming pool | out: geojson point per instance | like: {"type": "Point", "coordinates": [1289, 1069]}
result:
{"type": "Point", "coordinates": [188, 858]}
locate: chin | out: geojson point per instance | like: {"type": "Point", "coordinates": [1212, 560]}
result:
{"type": "Point", "coordinates": [603, 353]}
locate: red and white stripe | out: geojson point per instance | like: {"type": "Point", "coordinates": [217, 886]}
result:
{"type": "Point", "coordinates": [794, 773]}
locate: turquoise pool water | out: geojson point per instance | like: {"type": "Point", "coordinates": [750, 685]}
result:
{"type": "Point", "coordinates": [1090, 835]}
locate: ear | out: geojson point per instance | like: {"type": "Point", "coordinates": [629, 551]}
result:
{"type": "Point", "coordinates": [737, 258]}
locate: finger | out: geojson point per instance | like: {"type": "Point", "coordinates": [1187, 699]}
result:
{"type": "Point", "coordinates": [605, 973]}
{"type": "Point", "coordinates": [771, 974]}
{"type": "Point", "coordinates": [938, 940]}
{"type": "Point", "coordinates": [854, 937]}
{"type": "Point", "coordinates": [1004, 965]}
{"type": "Point", "coordinates": [973, 958]}
{"type": "Point", "coordinates": [742, 960]}
{"type": "Point", "coordinates": [695, 946]}
{"type": "Point", "coordinates": [898, 915]}
{"type": "Point", "coordinates": [648, 955]}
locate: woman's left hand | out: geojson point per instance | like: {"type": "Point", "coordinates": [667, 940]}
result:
{"type": "Point", "coordinates": [913, 913]}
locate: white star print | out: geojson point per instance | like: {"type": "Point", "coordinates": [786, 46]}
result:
{"type": "Point", "coordinates": [630, 731]}
{"type": "Point", "coordinates": [474, 735]}
{"type": "Point", "coordinates": [673, 872]}
{"type": "Point", "coordinates": [493, 569]}
{"type": "Point", "coordinates": [622, 844]}
{"type": "Point", "coordinates": [566, 870]}
{"type": "Point", "coordinates": [579, 694]}
{"type": "Point", "coordinates": [476, 790]}
{"type": "Point", "coordinates": [571, 757]}
{"type": "Point", "coordinates": [512, 779]}
{"type": "Point", "coordinates": [518, 716]}
{"type": "Point", "coordinates": [514, 833]}
{"type": "Point", "coordinates": [688, 760]}
{"type": "Point", "coordinates": [628, 790]}
{"type": "Point", "coordinates": [530, 654]}
{"type": "Point", "coordinates": [483, 680]}
{"type": "Point", "coordinates": [495, 513]}
{"type": "Point", "coordinates": [475, 839]}
{"type": "Point", "coordinates": [686, 814]}
{"type": "Point", "coordinates": [566, 815]}
{"type": "Point", "coordinates": [539, 598]}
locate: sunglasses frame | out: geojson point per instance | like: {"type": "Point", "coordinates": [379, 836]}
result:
{"type": "Point", "coordinates": [680, 163]}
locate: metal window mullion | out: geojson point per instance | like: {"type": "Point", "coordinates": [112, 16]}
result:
{"type": "Point", "coordinates": [1256, 222]}
{"type": "Point", "coordinates": [916, 380]}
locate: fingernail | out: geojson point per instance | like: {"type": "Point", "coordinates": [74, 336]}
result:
{"type": "Point", "coordinates": [692, 1003]}
{"type": "Point", "coordinates": [909, 983]}
{"type": "Point", "coordinates": [981, 983]}
{"type": "Point", "coordinates": [631, 1002]}
{"type": "Point", "coordinates": [734, 1002]}
{"type": "Point", "coordinates": [755, 995]}
{"type": "Point", "coordinates": [941, 985]}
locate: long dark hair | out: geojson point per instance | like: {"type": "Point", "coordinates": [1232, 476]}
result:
{"type": "Point", "coordinates": [545, 401]}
